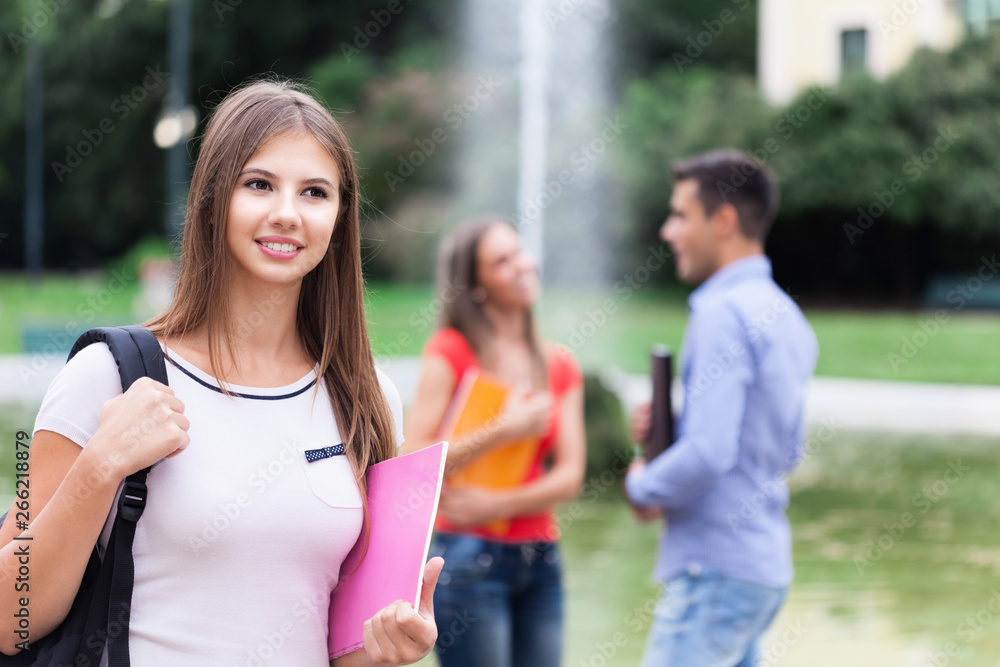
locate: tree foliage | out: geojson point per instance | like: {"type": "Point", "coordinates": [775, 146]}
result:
{"type": "Point", "coordinates": [883, 182]}
{"type": "Point", "coordinates": [106, 75]}
{"type": "Point", "coordinates": [718, 34]}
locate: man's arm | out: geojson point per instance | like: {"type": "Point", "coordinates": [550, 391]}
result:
{"type": "Point", "coordinates": [722, 368]}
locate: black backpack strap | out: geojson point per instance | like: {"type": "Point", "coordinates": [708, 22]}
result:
{"type": "Point", "coordinates": [138, 354]}
{"type": "Point", "coordinates": [135, 349]}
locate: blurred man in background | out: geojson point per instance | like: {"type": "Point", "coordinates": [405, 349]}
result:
{"type": "Point", "coordinates": [748, 356]}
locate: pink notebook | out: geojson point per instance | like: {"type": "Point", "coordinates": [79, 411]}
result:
{"type": "Point", "coordinates": [403, 495]}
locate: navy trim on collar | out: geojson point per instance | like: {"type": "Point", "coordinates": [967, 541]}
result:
{"type": "Point", "coordinates": [233, 393]}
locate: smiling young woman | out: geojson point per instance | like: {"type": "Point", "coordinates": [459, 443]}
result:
{"type": "Point", "coordinates": [268, 358]}
{"type": "Point", "coordinates": [283, 211]}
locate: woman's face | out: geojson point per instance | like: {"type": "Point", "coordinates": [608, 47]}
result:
{"type": "Point", "coordinates": [283, 211]}
{"type": "Point", "coordinates": [506, 270]}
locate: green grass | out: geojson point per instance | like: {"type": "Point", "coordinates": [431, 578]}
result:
{"type": "Point", "coordinates": [69, 303]}
{"type": "Point", "coordinates": [852, 343]}
{"type": "Point", "coordinates": [859, 344]}
{"type": "Point", "coordinates": [12, 420]}
{"type": "Point", "coordinates": [602, 327]}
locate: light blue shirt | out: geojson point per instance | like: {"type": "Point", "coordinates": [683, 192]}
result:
{"type": "Point", "coordinates": [748, 356]}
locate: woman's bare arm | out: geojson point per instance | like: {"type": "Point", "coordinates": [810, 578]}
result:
{"type": "Point", "coordinates": [562, 482]}
{"type": "Point", "coordinates": [71, 491]}
{"type": "Point", "coordinates": [45, 571]}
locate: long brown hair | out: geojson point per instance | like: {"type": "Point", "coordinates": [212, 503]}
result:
{"type": "Point", "coordinates": [330, 319]}
{"type": "Point", "coordinates": [457, 278]}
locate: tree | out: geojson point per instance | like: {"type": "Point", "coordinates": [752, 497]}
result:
{"type": "Point", "coordinates": [718, 34]}
{"type": "Point", "coordinates": [884, 183]}
{"type": "Point", "coordinates": [106, 75]}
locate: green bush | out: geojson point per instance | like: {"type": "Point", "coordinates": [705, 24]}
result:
{"type": "Point", "coordinates": [607, 435]}
{"type": "Point", "coordinates": [151, 248]}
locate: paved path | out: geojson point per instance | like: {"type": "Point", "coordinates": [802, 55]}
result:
{"type": "Point", "coordinates": [843, 404]}
{"type": "Point", "coordinates": [873, 405]}
{"type": "Point", "coordinates": [24, 377]}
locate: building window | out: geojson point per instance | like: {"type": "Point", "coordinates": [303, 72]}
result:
{"type": "Point", "coordinates": [853, 50]}
{"type": "Point", "coordinates": [979, 14]}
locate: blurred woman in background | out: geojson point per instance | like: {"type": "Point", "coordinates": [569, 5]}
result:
{"type": "Point", "coordinates": [499, 600]}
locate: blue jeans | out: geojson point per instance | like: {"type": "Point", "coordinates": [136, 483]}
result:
{"type": "Point", "coordinates": [710, 620]}
{"type": "Point", "coordinates": [498, 604]}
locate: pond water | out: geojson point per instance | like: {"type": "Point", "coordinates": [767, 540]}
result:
{"type": "Point", "coordinates": [897, 554]}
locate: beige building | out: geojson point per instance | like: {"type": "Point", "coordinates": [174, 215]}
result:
{"type": "Point", "coordinates": [814, 42]}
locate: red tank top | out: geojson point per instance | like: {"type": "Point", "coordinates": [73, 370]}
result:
{"type": "Point", "coordinates": [564, 376]}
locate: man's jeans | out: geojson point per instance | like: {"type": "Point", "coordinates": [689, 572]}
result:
{"type": "Point", "coordinates": [710, 620]}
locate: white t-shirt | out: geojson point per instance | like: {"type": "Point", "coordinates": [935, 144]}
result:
{"type": "Point", "coordinates": [241, 540]}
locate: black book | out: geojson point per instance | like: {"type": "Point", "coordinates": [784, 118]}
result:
{"type": "Point", "coordinates": [661, 417]}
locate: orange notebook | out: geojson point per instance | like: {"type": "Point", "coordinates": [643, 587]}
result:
{"type": "Point", "coordinates": [478, 400]}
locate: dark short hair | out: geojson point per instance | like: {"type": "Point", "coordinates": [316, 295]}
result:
{"type": "Point", "coordinates": [730, 176]}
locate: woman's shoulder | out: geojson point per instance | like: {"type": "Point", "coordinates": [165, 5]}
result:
{"type": "Point", "coordinates": [388, 388]}
{"type": "Point", "coordinates": [72, 403]}
{"type": "Point", "coordinates": [192, 350]}
{"type": "Point", "coordinates": [564, 370]}
{"type": "Point", "coordinates": [94, 366]}
{"type": "Point", "coordinates": [449, 338]}
{"type": "Point", "coordinates": [454, 347]}
{"type": "Point", "coordinates": [394, 400]}
{"type": "Point", "coordinates": [558, 353]}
